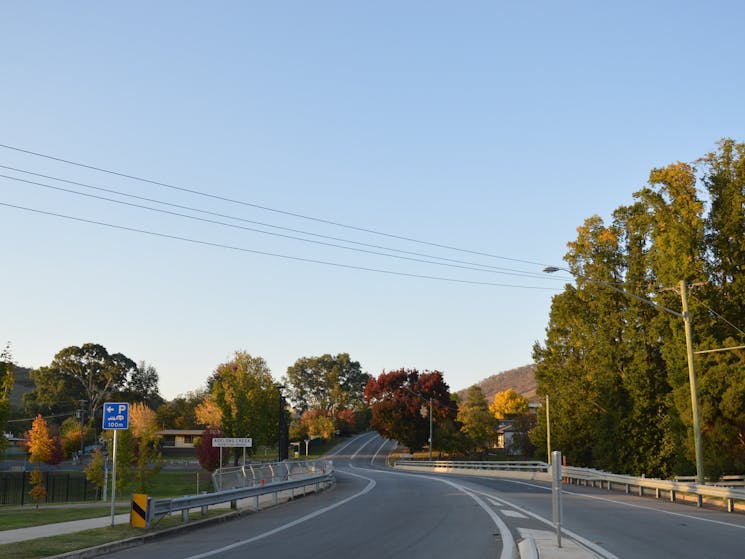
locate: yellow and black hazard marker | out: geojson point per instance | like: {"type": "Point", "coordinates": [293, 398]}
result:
{"type": "Point", "coordinates": [138, 514]}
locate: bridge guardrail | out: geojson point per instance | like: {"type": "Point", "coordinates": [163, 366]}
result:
{"type": "Point", "coordinates": [316, 477]}
{"type": "Point", "coordinates": [587, 476]}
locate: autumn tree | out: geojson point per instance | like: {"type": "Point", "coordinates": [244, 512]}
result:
{"type": "Point", "coordinates": [244, 391]}
{"type": "Point", "coordinates": [396, 400]}
{"type": "Point", "coordinates": [41, 449]}
{"type": "Point", "coordinates": [148, 459]}
{"type": "Point", "coordinates": [209, 456]}
{"type": "Point", "coordinates": [40, 443]}
{"type": "Point", "coordinates": [508, 404]}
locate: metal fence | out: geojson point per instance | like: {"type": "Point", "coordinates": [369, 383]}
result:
{"type": "Point", "coordinates": [251, 475]}
{"type": "Point", "coordinates": [296, 476]}
{"type": "Point", "coordinates": [61, 486]}
{"type": "Point", "coordinates": [587, 476]}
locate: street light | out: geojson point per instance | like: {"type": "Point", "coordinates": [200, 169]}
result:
{"type": "Point", "coordinates": [685, 315]}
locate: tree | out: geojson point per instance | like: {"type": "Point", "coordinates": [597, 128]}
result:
{"type": "Point", "coordinates": [148, 459]}
{"type": "Point", "coordinates": [318, 424]}
{"type": "Point", "coordinates": [96, 468]}
{"type": "Point", "coordinates": [6, 385]}
{"type": "Point", "coordinates": [142, 386]}
{"type": "Point", "coordinates": [40, 443]}
{"type": "Point", "coordinates": [508, 404]}
{"type": "Point", "coordinates": [248, 399]}
{"type": "Point", "coordinates": [209, 456]}
{"type": "Point", "coordinates": [180, 413]}
{"type": "Point", "coordinates": [85, 374]}
{"type": "Point", "coordinates": [328, 383]}
{"type": "Point", "coordinates": [396, 399]}
{"type": "Point", "coordinates": [209, 413]}
{"type": "Point", "coordinates": [478, 423]}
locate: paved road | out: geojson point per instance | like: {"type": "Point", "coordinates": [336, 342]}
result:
{"type": "Point", "coordinates": [376, 512]}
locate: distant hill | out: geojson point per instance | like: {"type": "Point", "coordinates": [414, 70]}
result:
{"type": "Point", "coordinates": [521, 380]}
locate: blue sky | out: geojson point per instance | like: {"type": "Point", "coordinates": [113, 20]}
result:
{"type": "Point", "coordinates": [495, 127]}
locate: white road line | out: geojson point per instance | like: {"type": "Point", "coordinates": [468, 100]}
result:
{"type": "Point", "coordinates": [632, 505]}
{"type": "Point", "coordinates": [576, 537]}
{"type": "Point", "coordinates": [367, 489]}
{"type": "Point", "coordinates": [385, 442]}
{"type": "Point", "coordinates": [508, 542]}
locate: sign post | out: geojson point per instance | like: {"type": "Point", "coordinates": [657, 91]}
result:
{"type": "Point", "coordinates": [115, 417]}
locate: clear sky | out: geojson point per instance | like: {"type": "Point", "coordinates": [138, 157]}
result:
{"type": "Point", "coordinates": [495, 127]}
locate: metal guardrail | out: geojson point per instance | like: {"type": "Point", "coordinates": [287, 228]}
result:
{"type": "Point", "coordinates": [314, 476]}
{"type": "Point", "coordinates": [524, 466]}
{"type": "Point", "coordinates": [587, 476]}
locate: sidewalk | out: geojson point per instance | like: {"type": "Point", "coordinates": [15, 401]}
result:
{"type": "Point", "coordinates": [45, 530]}
{"type": "Point", "coordinates": [542, 544]}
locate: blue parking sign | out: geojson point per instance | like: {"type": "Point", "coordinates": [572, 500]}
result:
{"type": "Point", "coordinates": [116, 415]}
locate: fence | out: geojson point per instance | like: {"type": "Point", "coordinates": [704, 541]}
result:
{"type": "Point", "coordinates": [61, 486]}
{"type": "Point", "coordinates": [317, 474]}
{"type": "Point", "coordinates": [262, 473]}
{"type": "Point", "coordinates": [587, 476]}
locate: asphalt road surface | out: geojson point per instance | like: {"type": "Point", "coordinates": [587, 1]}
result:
{"type": "Point", "coordinates": [376, 512]}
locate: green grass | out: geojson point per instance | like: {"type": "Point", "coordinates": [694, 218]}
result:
{"type": "Point", "coordinates": [23, 517]}
{"type": "Point", "coordinates": [45, 547]}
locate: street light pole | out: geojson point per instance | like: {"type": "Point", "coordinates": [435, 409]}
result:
{"type": "Point", "coordinates": [548, 430]}
{"type": "Point", "coordinates": [685, 315]}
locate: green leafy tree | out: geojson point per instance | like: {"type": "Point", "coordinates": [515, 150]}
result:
{"type": "Point", "coordinates": [87, 374]}
{"type": "Point", "coordinates": [478, 423]}
{"type": "Point", "coordinates": [6, 385]}
{"type": "Point", "coordinates": [329, 383]}
{"type": "Point", "coordinates": [142, 386]}
{"type": "Point", "coordinates": [248, 398]}
{"type": "Point", "coordinates": [180, 413]}
{"type": "Point", "coordinates": [95, 470]}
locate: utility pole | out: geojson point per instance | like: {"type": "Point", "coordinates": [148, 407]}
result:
{"type": "Point", "coordinates": [548, 431]}
{"type": "Point", "coordinates": [430, 429]}
{"type": "Point", "coordinates": [694, 386]}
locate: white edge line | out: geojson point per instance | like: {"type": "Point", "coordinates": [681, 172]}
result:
{"type": "Point", "coordinates": [300, 520]}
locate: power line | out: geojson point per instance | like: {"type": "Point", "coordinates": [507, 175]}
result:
{"type": "Point", "coordinates": [264, 253]}
{"type": "Point", "coordinates": [476, 267]}
{"type": "Point", "coordinates": [258, 206]}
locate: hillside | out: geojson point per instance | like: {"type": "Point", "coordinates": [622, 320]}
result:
{"type": "Point", "coordinates": [521, 380]}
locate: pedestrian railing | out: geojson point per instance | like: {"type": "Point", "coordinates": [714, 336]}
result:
{"type": "Point", "coordinates": [294, 478]}
{"type": "Point", "coordinates": [261, 473]}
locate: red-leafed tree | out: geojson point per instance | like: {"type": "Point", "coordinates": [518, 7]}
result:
{"type": "Point", "coordinates": [209, 456]}
{"type": "Point", "coordinates": [399, 401]}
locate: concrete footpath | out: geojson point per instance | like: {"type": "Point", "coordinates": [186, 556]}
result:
{"type": "Point", "coordinates": [46, 530]}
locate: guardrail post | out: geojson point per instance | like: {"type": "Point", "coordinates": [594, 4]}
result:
{"type": "Point", "coordinates": [185, 515]}
{"type": "Point", "coordinates": [730, 505]}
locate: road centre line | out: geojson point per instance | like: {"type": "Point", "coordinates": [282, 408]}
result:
{"type": "Point", "coordinates": [367, 489]}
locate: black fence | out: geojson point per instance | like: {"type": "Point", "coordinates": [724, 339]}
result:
{"type": "Point", "coordinates": [61, 486]}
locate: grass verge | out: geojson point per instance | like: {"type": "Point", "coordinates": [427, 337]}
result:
{"type": "Point", "coordinates": [55, 545]}
{"type": "Point", "coordinates": [14, 517]}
